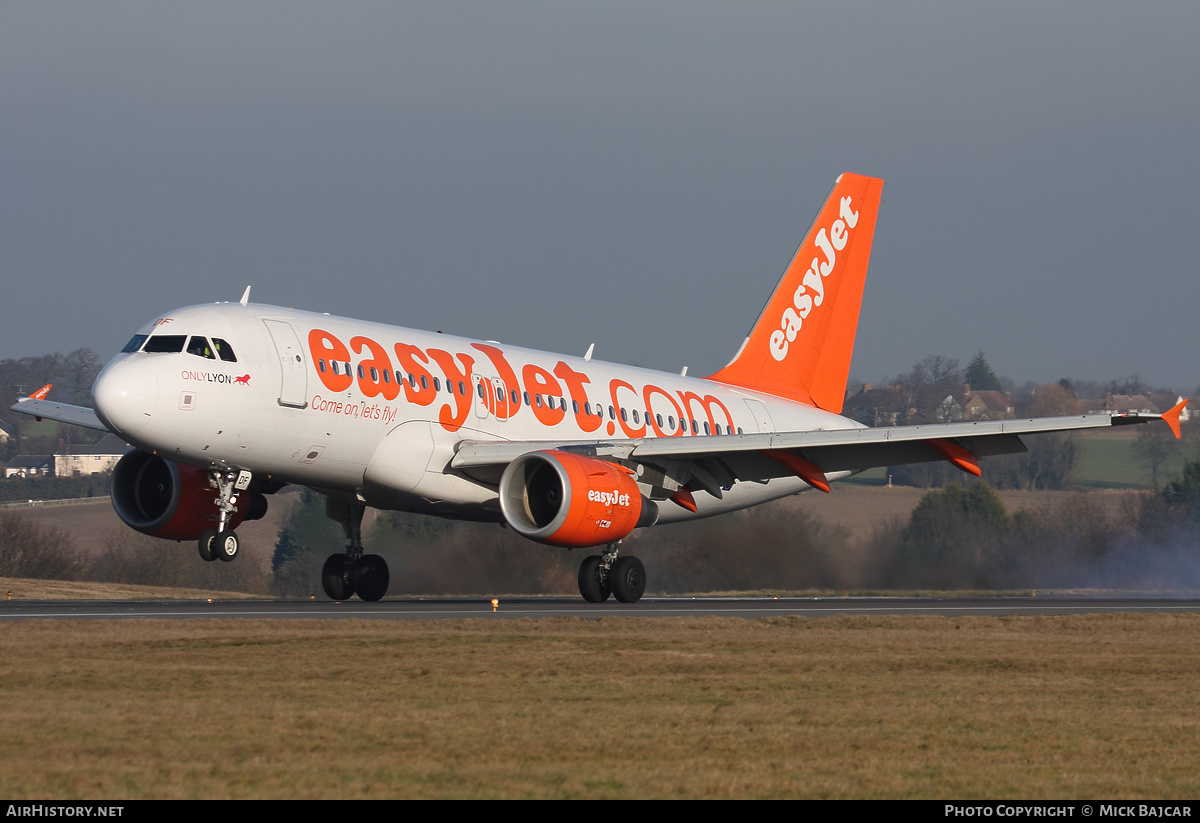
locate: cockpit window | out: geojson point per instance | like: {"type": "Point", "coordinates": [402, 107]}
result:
{"type": "Point", "coordinates": [134, 344]}
{"type": "Point", "coordinates": [165, 343]}
{"type": "Point", "coordinates": [199, 347]}
{"type": "Point", "coordinates": [224, 350]}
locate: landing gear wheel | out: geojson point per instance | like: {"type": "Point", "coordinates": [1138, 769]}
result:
{"type": "Point", "coordinates": [591, 586]}
{"type": "Point", "coordinates": [207, 545]}
{"type": "Point", "coordinates": [370, 577]}
{"type": "Point", "coordinates": [225, 546]}
{"type": "Point", "coordinates": [335, 577]}
{"type": "Point", "coordinates": [628, 579]}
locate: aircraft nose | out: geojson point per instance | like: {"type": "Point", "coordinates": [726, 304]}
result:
{"type": "Point", "coordinates": [124, 395]}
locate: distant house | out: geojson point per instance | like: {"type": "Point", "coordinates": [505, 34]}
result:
{"type": "Point", "coordinates": [30, 465]}
{"type": "Point", "coordinates": [6, 433]}
{"type": "Point", "coordinates": [91, 458]}
{"type": "Point", "coordinates": [1128, 404]}
{"type": "Point", "coordinates": [876, 407]}
{"type": "Point", "coordinates": [986, 405]}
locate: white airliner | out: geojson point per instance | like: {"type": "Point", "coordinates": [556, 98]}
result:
{"type": "Point", "coordinates": [229, 402]}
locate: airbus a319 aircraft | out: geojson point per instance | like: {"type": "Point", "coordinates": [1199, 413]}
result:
{"type": "Point", "coordinates": [227, 403]}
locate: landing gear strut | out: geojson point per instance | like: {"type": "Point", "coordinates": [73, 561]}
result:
{"type": "Point", "coordinates": [222, 542]}
{"type": "Point", "coordinates": [346, 573]}
{"type": "Point", "coordinates": [606, 574]}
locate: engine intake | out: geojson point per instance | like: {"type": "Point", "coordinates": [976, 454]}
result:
{"type": "Point", "coordinates": [172, 500]}
{"type": "Point", "coordinates": [565, 499]}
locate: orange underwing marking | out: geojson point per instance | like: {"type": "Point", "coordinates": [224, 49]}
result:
{"type": "Point", "coordinates": [1172, 417]}
{"type": "Point", "coordinates": [958, 455]}
{"type": "Point", "coordinates": [809, 472]}
{"type": "Point", "coordinates": [684, 498]}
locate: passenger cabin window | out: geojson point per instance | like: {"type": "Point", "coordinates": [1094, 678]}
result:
{"type": "Point", "coordinates": [165, 343]}
{"type": "Point", "coordinates": [134, 344]}
{"type": "Point", "coordinates": [224, 350]}
{"type": "Point", "coordinates": [199, 347]}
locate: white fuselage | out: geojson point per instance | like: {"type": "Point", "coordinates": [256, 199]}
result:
{"type": "Point", "coordinates": [375, 412]}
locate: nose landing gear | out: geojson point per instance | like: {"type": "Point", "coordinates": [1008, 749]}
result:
{"type": "Point", "coordinates": [222, 542]}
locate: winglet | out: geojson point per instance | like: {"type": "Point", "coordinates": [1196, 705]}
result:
{"type": "Point", "coordinates": [800, 347]}
{"type": "Point", "coordinates": [1172, 417]}
{"type": "Point", "coordinates": [245, 296]}
{"type": "Point", "coordinates": [41, 393]}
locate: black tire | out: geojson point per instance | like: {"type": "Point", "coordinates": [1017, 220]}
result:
{"type": "Point", "coordinates": [591, 586]}
{"type": "Point", "coordinates": [370, 577]}
{"type": "Point", "coordinates": [628, 579]}
{"type": "Point", "coordinates": [225, 546]}
{"type": "Point", "coordinates": [335, 577]}
{"type": "Point", "coordinates": [206, 545]}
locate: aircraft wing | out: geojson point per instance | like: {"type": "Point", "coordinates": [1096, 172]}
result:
{"type": "Point", "coordinates": [62, 412]}
{"type": "Point", "coordinates": [711, 463]}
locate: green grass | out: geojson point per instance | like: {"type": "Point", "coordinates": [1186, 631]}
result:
{"type": "Point", "coordinates": [1109, 460]}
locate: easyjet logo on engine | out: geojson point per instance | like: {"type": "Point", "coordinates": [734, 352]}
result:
{"type": "Point", "coordinates": [608, 498]}
{"type": "Point", "coordinates": [811, 291]}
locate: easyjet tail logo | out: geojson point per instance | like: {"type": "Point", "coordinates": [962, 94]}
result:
{"type": "Point", "coordinates": [811, 291]}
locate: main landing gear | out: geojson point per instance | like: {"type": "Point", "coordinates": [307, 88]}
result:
{"type": "Point", "coordinates": [603, 575]}
{"type": "Point", "coordinates": [350, 572]}
{"type": "Point", "coordinates": [222, 542]}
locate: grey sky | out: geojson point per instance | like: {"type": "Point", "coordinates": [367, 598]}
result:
{"type": "Point", "coordinates": [634, 174]}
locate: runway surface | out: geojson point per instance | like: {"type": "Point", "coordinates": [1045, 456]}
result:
{"type": "Point", "coordinates": [461, 608]}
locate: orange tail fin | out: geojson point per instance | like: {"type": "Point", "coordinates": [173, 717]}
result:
{"type": "Point", "coordinates": [800, 347]}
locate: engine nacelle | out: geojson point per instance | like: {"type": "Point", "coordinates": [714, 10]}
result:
{"type": "Point", "coordinates": [572, 501]}
{"type": "Point", "coordinates": [172, 500]}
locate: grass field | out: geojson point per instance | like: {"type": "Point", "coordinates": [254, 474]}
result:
{"type": "Point", "coordinates": [1058, 707]}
